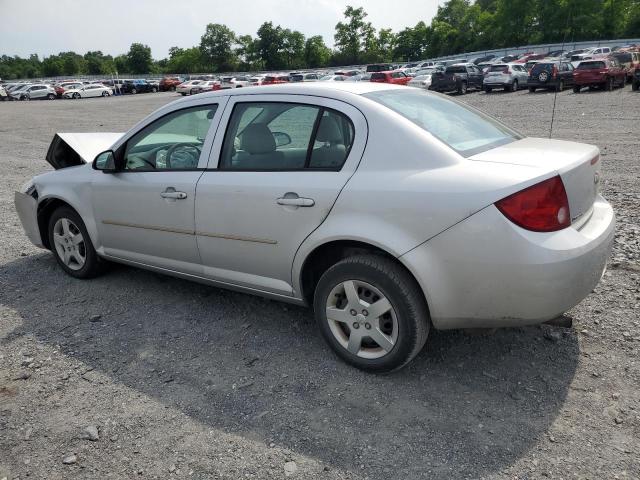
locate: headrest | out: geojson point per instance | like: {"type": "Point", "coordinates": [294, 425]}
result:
{"type": "Point", "coordinates": [257, 138]}
{"type": "Point", "coordinates": [328, 130]}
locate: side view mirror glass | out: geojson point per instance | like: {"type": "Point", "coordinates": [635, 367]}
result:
{"type": "Point", "coordinates": [281, 139]}
{"type": "Point", "coordinates": [105, 161]}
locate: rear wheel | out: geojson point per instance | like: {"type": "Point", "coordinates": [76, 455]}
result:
{"type": "Point", "coordinates": [462, 89]}
{"type": "Point", "coordinates": [576, 89]}
{"type": "Point", "coordinates": [71, 244]}
{"type": "Point", "coordinates": [105, 94]}
{"type": "Point", "coordinates": [75, 96]}
{"type": "Point", "coordinates": [25, 98]}
{"type": "Point", "coordinates": [610, 84]}
{"type": "Point", "coordinates": [635, 86]}
{"type": "Point", "coordinates": [560, 86]}
{"type": "Point", "coordinates": [371, 312]}
{"type": "Point", "coordinates": [154, 90]}
{"type": "Point", "coordinates": [172, 88]}
{"type": "Point", "coordinates": [514, 86]}
{"type": "Point", "coordinates": [134, 91]}
{"type": "Point", "coordinates": [51, 96]}
{"type": "Point", "coordinates": [488, 89]}
{"type": "Point", "coordinates": [532, 89]}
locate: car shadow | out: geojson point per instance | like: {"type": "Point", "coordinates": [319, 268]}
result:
{"type": "Point", "coordinates": [470, 404]}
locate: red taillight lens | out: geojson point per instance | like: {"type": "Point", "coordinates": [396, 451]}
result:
{"type": "Point", "coordinates": [555, 71]}
{"type": "Point", "coordinates": [543, 207]}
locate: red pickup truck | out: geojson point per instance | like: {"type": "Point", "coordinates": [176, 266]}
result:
{"type": "Point", "coordinates": [606, 73]}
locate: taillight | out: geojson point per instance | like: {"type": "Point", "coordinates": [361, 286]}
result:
{"type": "Point", "coordinates": [543, 207]}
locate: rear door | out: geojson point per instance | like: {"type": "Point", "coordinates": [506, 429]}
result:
{"type": "Point", "coordinates": [275, 171]}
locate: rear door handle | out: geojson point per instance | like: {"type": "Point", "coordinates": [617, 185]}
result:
{"type": "Point", "coordinates": [296, 201]}
{"type": "Point", "coordinates": [174, 195]}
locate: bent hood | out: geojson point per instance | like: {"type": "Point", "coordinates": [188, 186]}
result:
{"type": "Point", "coordinates": [70, 149]}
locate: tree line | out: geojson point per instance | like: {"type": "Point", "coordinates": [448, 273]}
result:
{"type": "Point", "coordinates": [459, 26]}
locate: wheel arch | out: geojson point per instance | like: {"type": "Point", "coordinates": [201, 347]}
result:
{"type": "Point", "coordinates": [46, 207]}
{"type": "Point", "coordinates": [326, 254]}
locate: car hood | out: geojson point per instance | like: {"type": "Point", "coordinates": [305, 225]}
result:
{"type": "Point", "coordinates": [70, 149]}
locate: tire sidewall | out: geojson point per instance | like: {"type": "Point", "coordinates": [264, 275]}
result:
{"type": "Point", "coordinates": [399, 300]}
{"type": "Point", "coordinates": [90, 267]}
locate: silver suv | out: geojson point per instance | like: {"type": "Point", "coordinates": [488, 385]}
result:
{"type": "Point", "coordinates": [38, 91]}
{"type": "Point", "coordinates": [508, 76]}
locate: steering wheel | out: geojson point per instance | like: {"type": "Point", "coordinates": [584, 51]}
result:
{"type": "Point", "coordinates": [196, 150]}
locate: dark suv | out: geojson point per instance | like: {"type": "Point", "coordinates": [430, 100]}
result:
{"type": "Point", "coordinates": [457, 78]}
{"type": "Point", "coordinates": [137, 86]}
{"type": "Point", "coordinates": [551, 76]}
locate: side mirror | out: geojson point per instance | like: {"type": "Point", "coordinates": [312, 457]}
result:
{"type": "Point", "coordinates": [106, 162]}
{"type": "Point", "coordinates": [281, 139]}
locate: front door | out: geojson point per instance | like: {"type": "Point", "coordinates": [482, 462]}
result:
{"type": "Point", "coordinates": [145, 213]}
{"type": "Point", "coordinates": [276, 175]}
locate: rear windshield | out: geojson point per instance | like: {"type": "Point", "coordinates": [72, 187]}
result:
{"type": "Point", "coordinates": [591, 65]}
{"type": "Point", "coordinates": [623, 57]}
{"type": "Point", "coordinates": [466, 130]}
{"type": "Point", "coordinates": [296, 78]}
{"type": "Point", "coordinates": [378, 76]}
{"type": "Point", "coordinates": [538, 67]}
{"type": "Point", "coordinates": [456, 70]}
{"type": "Point", "coordinates": [498, 68]}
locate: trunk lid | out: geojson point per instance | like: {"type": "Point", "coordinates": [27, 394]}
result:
{"type": "Point", "coordinates": [70, 149]}
{"type": "Point", "coordinates": [577, 164]}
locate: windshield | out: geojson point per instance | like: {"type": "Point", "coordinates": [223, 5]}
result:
{"type": "Point", "coordinates": [623, 57]}
{"type": "Point", "coordinates": [456, 70]}
{"type": "Point", "coordinates": [591, 65]}
{"type": "Point", "coordinates": [466, 130]}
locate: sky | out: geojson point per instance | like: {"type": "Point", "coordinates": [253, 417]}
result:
{"type": "Point", "coordinates": [48, 27]}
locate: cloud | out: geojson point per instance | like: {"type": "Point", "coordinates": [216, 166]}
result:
{"type": "Point", "coordinates": [48, 27]}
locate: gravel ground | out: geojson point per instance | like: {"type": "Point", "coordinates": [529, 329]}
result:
{"type": "Point", "coordinates": [136, 375]}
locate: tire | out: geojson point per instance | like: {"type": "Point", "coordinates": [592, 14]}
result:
{"type": "Point", "coordinates": [154, 90]}
{"type": "Point", "coordinates": [105, 94]}
{"type": "Point", "coordinates": [488, 89]}
{"type": "Point", "coordinates": [407, 320]}
{"type": "Point", "coordinates": [532, 89]}
{"type": "Point", "coordinates": [184, 94]}
{"type": "Point", "coordinates": [51, 96]}
{"type": "Point", "coordinates": [576, 89]}
{"type": "Point", "coordinates": [25, 98]}
{"type": "Point", "coordinates": [635, 86]}
{"type": "Point", "coordinates": [514, 86]}
{"type": "Point", "coordinates": [133, 91]}
{"type": "Point", "coordinates": [560, 86]}
{"type": "Point", "coordinates": [92, 265]}
{"type": "Point", "coordinates": [172, 88]}
{"type": "Point", "coordinates": [610, 84]}
{"type": "Point", "coordinates": [462, 88]}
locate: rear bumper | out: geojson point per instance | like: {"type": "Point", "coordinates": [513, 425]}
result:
{"type": "Point", "coordinates": [488, 272]}
{"type": "Point", "coordinates": [27, 208]}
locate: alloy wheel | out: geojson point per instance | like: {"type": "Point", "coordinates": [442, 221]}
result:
{"type": "Point", "coordinates": [362, 319]}
{"type": "Point", "coordinates": [69, 244]}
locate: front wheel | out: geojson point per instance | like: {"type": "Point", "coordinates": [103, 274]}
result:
{"type": "Point", "coordinates": [488, 89]}
{"type": "Point", "coordinates": [514, 86]}
{"type": "Point", "coordinates": [371, 312]}
{"type": "Point", "coordinates": [462, 89]}
{"type": "Point", "coordinates": [51, 96]}
{"type": "Point", "coordinates": [105, 94]}
{"type": "Point", "coordinates": [71, 244]}
{"type": "Point", "coordinates": [154, 90]}
{"type": "Point", "coordinates": [532, 89]}
{"type": "Point", "coordinates": [560, 86]}
{"type": "Point", "coordinates": [25, 98]}
{"type": "Point", "coordinates": [134, 91]}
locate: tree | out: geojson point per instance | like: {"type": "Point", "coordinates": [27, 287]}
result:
{"type": "Point", "coordinates": [271, 45]}
{"type": "Point", "coordinates": [187, 60]}
{"type": "Point", "coordinates": [139, 59]}
{"type": "Point", "coordinates": [121, 64]}
{"type": "Point", "coordinates": [316, 53]}
{"type": "Point", "coordinates": [248, 52]}
{"type": "Point", "coordinates": [354, 35]}
{"type": "Point", "coordinates": [216, 47]}
{"type": "Point", "coordinates": [293, 48]}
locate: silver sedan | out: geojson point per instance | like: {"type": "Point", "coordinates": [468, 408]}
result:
{"type": "Point", "coordinates": [389, 210]}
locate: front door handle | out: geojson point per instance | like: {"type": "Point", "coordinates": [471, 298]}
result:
{"type": "Point", "coordinates": [295, 201]}
{"type": "Point", "coordinates": [170, 193]}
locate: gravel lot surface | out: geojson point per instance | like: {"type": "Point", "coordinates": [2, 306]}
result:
{"type": "Point", "coordinates": [136, 375]}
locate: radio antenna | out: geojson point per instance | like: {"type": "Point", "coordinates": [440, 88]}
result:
{"type": "Point", "coordinates": [555, 95]}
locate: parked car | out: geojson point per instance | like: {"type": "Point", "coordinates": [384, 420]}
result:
{"type": "Point", "coordinates": [88, 91]}
{"type": "Point", "coordinates": [485, 59]}
{"type": "Point", "coordinates": [333, 78]}
{"type": "Point", "coordinates": [395, 77]}
{"type": "Point", "coordinates": [363, 77]}
{"type": "Point", "coordinates": [37, 91]}
{"type": "Point", "coordinates": [379, 67]}
{"type": "Point", "coordinates": [188, 88]}
{"type": "Point", "coordinates": [423, 77]}
{"type": "Point", "coordinates": [550, 76]}
{"type": "Point", "coordinates": [457, 78]}
{"type": "Point", "coordinates": [509, 77]}
{"type": "Point", "coordinates": [606, 73]}
{"type": "Point", "coordinates": [629, 60]}
{"type": "Point", "coordinates": [208, 86]}
{"type": "Point", "coordinates": [3, 94]}
{"type": "Point", "coordinates": [62, 87]}
{"type": "Point", "coordinates": [137, 86]}
{"type": "Point", "coordinates": [635, 83]}
{"type": "Point", "coordinates": [304, 77]}
{"type": "Point", "coordinates": [275, 79]}
{"type": "Point", "coordinates": [169, 84]}
{"type": "Point", "coordinates": [591, 53]}
{"type": "Point", "coordinates": [235, 82]}
{"type": "Point", "coordinates": [517, 232]}
{"type": "Point", "coordinates": [256, 81]}
{"type": "Point", "coordinates": [526, 58]}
